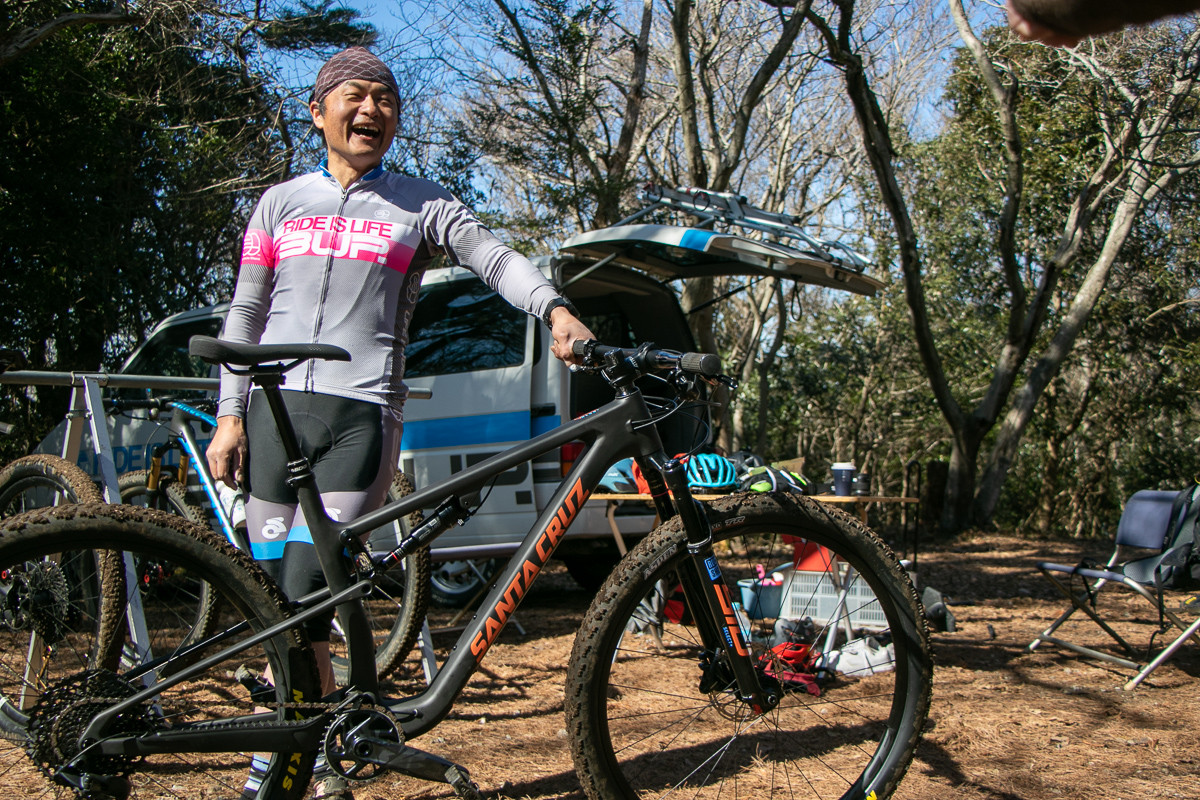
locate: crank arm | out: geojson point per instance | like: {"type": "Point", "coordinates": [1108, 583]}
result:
{"type": "Point", "coordinates": [418, 764]}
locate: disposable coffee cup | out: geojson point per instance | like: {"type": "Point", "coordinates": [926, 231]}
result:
{"type": "Point", "coordinates": [843, 478]}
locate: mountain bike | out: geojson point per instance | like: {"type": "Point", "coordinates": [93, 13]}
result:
{"type": "Point", "coordinates": [396, 606]}
{"type": "Point", "coordinates": [40, 480]}
{"type": "Point", "coordinates": [666, 692]}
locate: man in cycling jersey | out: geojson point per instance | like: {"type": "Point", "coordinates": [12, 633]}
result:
{"type": "Point", "coordinates": [336, 256]}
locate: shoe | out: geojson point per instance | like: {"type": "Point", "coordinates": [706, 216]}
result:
{"type": "Point", "coordinates": [1190, 605]}
{"type": "Point", "coordinates": [326, 784]}
{"type": "Point", "coordinates": [258, 772]}
{"type": "Point", "coordinates": [331, 786]}
{"type": "Point", "coordinates": [860, 657]}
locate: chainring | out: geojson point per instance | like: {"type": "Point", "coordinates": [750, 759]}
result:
{"type": "Point", "coordinates": [62, 713]}
{"type": "Point", "coordinates": [349, 737]}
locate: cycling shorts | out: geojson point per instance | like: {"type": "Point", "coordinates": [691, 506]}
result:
{"type": "Point", "coordinates": [352, 446]}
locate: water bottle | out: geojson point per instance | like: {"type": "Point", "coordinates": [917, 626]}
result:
{"type": "Point", "coordinates": [234, 503]}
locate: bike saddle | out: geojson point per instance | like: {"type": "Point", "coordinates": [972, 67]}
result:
{"type": "Point", "coordinates": [216, 351]}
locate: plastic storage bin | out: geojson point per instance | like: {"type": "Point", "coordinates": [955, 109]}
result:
{"type": "Point", "coordinates": [815, 594]}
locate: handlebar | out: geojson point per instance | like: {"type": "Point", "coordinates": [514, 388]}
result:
{"type": "Point", "coordinates": [648, 358]}
{"type": "Point", "coordinates": [119, 404]}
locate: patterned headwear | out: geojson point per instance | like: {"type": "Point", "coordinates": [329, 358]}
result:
{"type": "Point", "coordinates": [355, 63]}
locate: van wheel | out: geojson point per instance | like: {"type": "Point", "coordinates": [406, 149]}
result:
{"type": "Point", "coordinates": [592, 570]}
{"type": "Point", "coordinates": [455, 583]}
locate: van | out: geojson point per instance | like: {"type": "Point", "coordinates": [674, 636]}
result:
{"type": "Point", "coordinates": [495, 382]}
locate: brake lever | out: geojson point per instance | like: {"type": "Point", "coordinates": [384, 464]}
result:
{"type": "Point", "coordinates": [721, 380]}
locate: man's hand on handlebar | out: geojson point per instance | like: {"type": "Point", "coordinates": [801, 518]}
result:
{"type": "Point", "coordinates": [566, 329]}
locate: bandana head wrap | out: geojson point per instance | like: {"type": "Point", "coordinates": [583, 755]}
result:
{"type": "Point", "coordinates": [353, 64]}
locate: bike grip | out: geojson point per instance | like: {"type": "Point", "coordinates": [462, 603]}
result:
{"type": "Point", "coordinates": [701, 363]}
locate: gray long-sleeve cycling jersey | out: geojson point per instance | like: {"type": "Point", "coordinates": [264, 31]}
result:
{"type": "Point", "coordinates": [343, 266]}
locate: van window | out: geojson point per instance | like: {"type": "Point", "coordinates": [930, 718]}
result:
{"type": "Point", "coordinates": [463, 326]}
{"type": "Point", "coordinates": [167, 352]}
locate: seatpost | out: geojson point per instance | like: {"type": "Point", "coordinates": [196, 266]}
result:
{"type": "Point", "coordinates": [351, 615]}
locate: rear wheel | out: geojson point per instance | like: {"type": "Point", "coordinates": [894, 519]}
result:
{"type": "Point", "coordinates": [51, 686]}
{"type": "Point", "coordinates": [40, 481]}
{"type": "Point", "coordinates": [152, 575]}
{"type": "Point", "coordinates": [651, 706]}
{"type": "Point", "coordinates": [398, 603]}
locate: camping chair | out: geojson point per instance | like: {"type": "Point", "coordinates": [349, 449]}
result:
{"type": "Point", "coordinates": [1152, 521]}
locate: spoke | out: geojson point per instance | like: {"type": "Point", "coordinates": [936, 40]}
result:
{"type": "Point", "coordinates": [684, 721]}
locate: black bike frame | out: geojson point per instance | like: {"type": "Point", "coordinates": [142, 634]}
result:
{"type": "Point", "coordinates": [613, 432]}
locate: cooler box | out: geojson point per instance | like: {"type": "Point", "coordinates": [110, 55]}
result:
{"type": "Point", "coordinates": [763, 601]}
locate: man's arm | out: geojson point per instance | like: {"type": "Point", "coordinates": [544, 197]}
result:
{"type": "Point", "coordinates": [1066, 22]}
{"type": "Point", "coordinates": [451, 225]}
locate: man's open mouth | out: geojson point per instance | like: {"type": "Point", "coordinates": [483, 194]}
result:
{"type": "Point", "coordinates": [367, 131]}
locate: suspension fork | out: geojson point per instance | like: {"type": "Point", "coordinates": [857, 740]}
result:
{"type": "Point", "coordinates": [707, 591]}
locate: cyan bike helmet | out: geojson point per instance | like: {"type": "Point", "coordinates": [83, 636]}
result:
{"type": "Point", "coordinates": [710, 471]}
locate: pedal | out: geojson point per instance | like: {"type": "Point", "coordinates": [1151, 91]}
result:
{"type": "Point", "coordinates": [462, 784]}
{"type": "Point", "coordinates": [261, 692]}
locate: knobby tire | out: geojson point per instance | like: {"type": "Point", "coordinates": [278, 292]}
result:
{"type": "Point", "coordinates": [44, 604]}
{"type": "Point", "coordinates": [642, 726]}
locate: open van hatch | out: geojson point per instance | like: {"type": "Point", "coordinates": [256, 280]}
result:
{"type": "Point", "coordinates": [671, 252]}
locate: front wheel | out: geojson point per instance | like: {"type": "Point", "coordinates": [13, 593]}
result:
{"type": "Point", "coordinates": [651, 707]}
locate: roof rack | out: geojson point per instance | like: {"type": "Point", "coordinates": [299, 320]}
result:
{"type": "Point", "coordinates": [711, 207]}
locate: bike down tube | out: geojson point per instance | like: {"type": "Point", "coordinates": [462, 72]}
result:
{"type": "Point", "coordinates": [535, 551]}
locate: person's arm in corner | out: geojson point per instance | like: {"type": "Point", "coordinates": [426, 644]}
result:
{"type": "Point", "coordinates": [1064, 23]}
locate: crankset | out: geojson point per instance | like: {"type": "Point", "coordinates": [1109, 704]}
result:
{"type": "Point", "coordinates": [364, 740]}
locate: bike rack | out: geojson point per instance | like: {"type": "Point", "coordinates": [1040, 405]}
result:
{"type": "Point", "coordinates": [87, 404]}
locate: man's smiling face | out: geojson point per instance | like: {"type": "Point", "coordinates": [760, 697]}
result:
{"type": "Point", "coordinates": [358, 119]}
